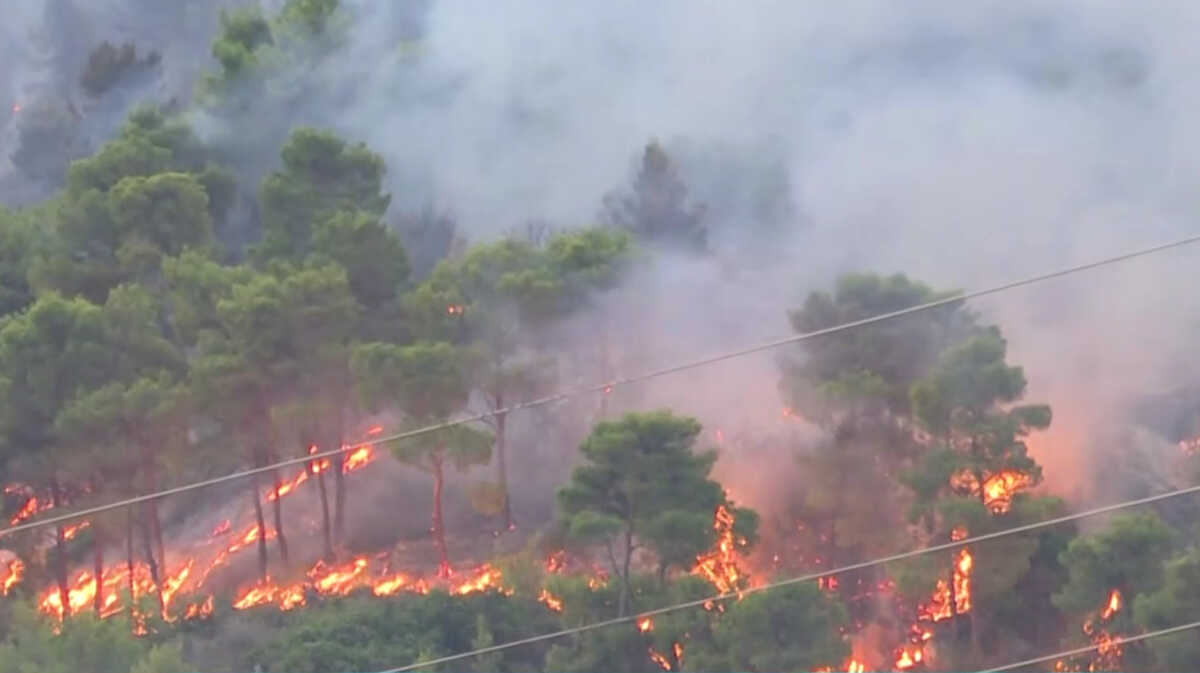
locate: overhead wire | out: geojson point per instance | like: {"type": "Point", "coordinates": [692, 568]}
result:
{"type": "Point", "coordinates": [605, 387]}
{"type": "Point", "coordinates": [804, 578]}
{"type": "Point", "coordinates": [1084, 650]}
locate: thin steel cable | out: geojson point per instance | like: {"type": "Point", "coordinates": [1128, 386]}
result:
{"type": "Point", "coordinates": [806, 578]}
{"type": "Point", "coordinates": [605, 387]}
{"type": "Point", "coordinates": [1085, 650]}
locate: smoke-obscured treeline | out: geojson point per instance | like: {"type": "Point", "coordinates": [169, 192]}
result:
{"type": "Point", "coordinates": [235, 237]}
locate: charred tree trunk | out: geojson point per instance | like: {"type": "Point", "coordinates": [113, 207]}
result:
{"type": "Point", "coordinates": [339, 497]}
{"type": "Point", "coordinates": [439, 530]}
{"type": "Point", "coordinates": [148, 550]}
{"type": "Point", "coordinates": [314, 470]}
{"type": "Point", "coordinates": [262, 528]}
{"type": "Point", "coordinates": [98, 569]}
{"type": "Point", "coordinates": [156, 530]}
{"type": "Point", "coordinates": [623, 601]}
{"type": "Point", "coordinates": [60, 553]}
{"type": "Point", "coordinates": [277, 509]}
{"type": "Point", "coordinates": [502, 462]}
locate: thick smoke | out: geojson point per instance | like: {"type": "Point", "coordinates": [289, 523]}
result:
{"type": "Point", "coordinates": [963, 144]}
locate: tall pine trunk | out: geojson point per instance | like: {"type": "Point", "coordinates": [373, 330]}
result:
{"type": "Point", "coordinates": [339, 496]}
{"type": "Point", "coordinates": [98, 569]}
{"type": "Point", "coordinates": [155, 577]}
{"type": "Point", "coordinates": [326, 524]}
{"type": "Point", "coordinates": [623, 602]}
{"type": "Point", "coordinates": [277, 508]}
{"type": "Point", "coordinates": [502, 462]}
{"type": "Point", "coordinates": [262, 527]}
{"type": "Point", "coordinates": [60, 552]}
{"type": "Point", "coordinates": [439, 530]}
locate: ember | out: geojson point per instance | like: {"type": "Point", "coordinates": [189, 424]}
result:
{"type": "Point", "coordinates": [645, 625]}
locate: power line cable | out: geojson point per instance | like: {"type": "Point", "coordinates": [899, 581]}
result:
{"type": "Point", "coordinates": [805, 578]}
{"type": "Point", "coordinates": [606, 387]}
{"type": "Point", "coordinates": [1085, 650]}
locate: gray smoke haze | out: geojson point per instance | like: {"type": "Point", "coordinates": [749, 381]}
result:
{"type": "Point", "coordinates": [965, 144]}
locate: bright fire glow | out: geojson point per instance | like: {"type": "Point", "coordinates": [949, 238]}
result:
{"type": "Point", "coordinates": [10, 575]}
{"type": "Point", "coordinates": [645, 625]}
{"type": "Point", "coordinates": [719, 565]}
{"type": "Point", "coordinates": [553, 602]}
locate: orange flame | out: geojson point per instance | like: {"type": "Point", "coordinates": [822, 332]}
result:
{"type": "Point", "coordinates": [553, 602]}
{"type": "Point", "coordinates": [70, 531]}
{"type": "Point", "coordinates": [199, 610]}
{"type": "Point", "coordinates": [998, 489]}
{"type": "Point", "coordinates": [556, 561]}
{"type": "Point", "coordinates": [659, 659]}
{"type": "Point", "coordinates": [339, 580]}
{"type": "Point", "coordinates": [719, 566]}
{"type": "Point", "coordinates": [645, 625]}
{"type": "Point", "coordinates": [907, 658]}
{"type": "Point", "coordinates": [222, 528]}
{"type": "Point", "coordinates": [13, 571]}
{"type": "Point", "coordinates": [1114, 605]}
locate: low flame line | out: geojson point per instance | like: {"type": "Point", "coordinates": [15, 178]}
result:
{"type": "Point", "coordinates": [809, 578]}
{"type": "Point", "coordinates": [557, 397]}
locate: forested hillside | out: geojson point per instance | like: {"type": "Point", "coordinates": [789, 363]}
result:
{"type": "Point", "coordinates": [235, 276]}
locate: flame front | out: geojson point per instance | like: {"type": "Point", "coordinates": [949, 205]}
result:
{"type": "Point", "coordinates": [998, 489]}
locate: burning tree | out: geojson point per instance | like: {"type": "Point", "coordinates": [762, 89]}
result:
{"type": "Point", "coordinates": [430, 382]}
{"type": "Point", "coordinates": [966, 405]}
{"type": "Point", "coordinates": [53, 355]}
{"type": "Point", "coordinates": [1124, 561]}
{"type": "Point", "coordinates": [855, 388]}
{"type": "Point", "coordinates": [644, 486]}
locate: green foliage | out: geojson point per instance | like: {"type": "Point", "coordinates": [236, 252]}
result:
{"type": "Point", "coordinates": [642, 484]}
{"type": "Point", "coordinates": [87, 645]}
{"type": "Point", "coordinates": [1175, 603]}
{"type": "Point", "coordinates": [1127, 556]}
{"type": "Point", "coordinates": [149, 193]}
{"type": "Point", "coordinates": [793, 628]}
{"type": "Point", "coordinates": [361, 633]}
{"type": "Point", "coordinates": [321, 177]}
{"type": "Point", "coordinates": [881, 361]}
{"type": "Point", "coordinates": [373, 257]}
{"type": "Point", "coordinates": [19, 235]}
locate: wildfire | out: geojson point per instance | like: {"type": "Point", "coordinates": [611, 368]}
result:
{"type": "Point", "coordinates": [11, 575]}
{"type": "Point", "coordinates": [32, 506]}
{"type": "Point", "coordinates": [645, 625]}
{"type": "Point", "coordinates": [1114, 606]}
{"type": "Point", "coordinates": [556, 562]}
{"type": "Point", "coordinates": [346, 578]}
{"type": "Point", "coordinates": [553, 602]}
{"type": "Point", "coordinates": [719, 566]}
{"type": "Point", "coordinates": [998, 489]}
{"type": "Point", "coordinates": [908, 658]}
{"type": "Point", "coordinates": [69, 532]}
{"type": "Point", "coordinates": [659, 659]}
{"type": "Point", "coordinates": [199, 610]}
{"type": "Point", "coordinates": [222, 528]}
{"type": "Point", "coordinates": [339, 580]}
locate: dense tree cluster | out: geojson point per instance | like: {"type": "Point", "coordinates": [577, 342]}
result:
{"type": "Point", "coordinates": [144, 344]}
